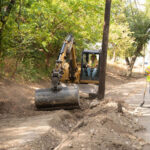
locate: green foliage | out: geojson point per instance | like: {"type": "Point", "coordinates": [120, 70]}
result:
{"type": "Point", "coordinates": [147, 6]}
{"type": "Point", "coordinates": [130, 30]}
{"type": "Point", "coordinates": [35, 31]}
{"type": "Point", "coordinates": [119, 38]}
{"type": "Point", "coordinates": [139, 24]}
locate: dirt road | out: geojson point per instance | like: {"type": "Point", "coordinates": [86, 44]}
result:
{"type": "Point", "coordinates": [102, 127]}
{"type": "Point", "coordinates": [143, 113]}
{"type": "Point", "coordinates": [15, 132]}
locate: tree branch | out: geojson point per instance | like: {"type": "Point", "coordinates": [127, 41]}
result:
{"type": "Point", "coordinates": [127, 61]}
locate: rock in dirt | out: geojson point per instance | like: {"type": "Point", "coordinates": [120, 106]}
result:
{"type": "Point", "coordinates": [94, 103]}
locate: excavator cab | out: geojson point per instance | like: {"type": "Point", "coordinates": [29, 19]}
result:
{"type": "Point", "coordinates": [90, 66]}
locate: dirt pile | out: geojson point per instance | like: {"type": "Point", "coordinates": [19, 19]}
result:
{"type": "Point", "coordinates": [17, 99]}
{"type": "Point", "coordinates": [104, 128]}
{"type": "Point", "coordinates": [97, 129]}
{"type": "Point", "coordinates": [60, 125]}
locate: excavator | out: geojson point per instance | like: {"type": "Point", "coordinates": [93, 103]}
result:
{"type": "Point", "coordinates": [67, 71]}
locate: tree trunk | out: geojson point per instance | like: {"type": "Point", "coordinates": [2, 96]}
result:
{"type": "Point", "coordinates": [127, 60]}
{"type": "Point", "coordinates": [130, 66]}
{"type": "Point", "coordinates": [133, 59]}
{"type": "Point", "coordinates": [103, 56]}
{"type": "Point", "coordinates": [16, 67]}
{"type": "Point", "coordinates": [1, 31]}
{"type": "Point", "coordinates": [47, 60]}
{"type": "Point", "coordinates": [114, 56]}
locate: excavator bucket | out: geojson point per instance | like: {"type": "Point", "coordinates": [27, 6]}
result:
{"type": "Point", "coordinates": [67, 98]}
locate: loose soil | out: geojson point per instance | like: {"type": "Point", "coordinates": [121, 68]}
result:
{"type": "Point", "coordinates": [99, 127]}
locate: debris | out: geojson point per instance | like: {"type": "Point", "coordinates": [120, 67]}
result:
{"type": "Point", "coordinates": [120, 107]}
{"type": "Point", "coordinates": [70, 145]}
{"type": "Point", "coordinates": [94, 103]}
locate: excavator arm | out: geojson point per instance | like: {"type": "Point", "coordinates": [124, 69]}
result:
{"type": "Point", "coordinates": [67, 57]}
{"type": "Point", "coordinates": [59, 96]}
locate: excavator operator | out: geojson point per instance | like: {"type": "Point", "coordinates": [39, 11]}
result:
{"type": "Point", "coordinates": [92, 66]}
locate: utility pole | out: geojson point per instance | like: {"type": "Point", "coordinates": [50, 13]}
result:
{"type": "Point", "coordinates": [103, 56]}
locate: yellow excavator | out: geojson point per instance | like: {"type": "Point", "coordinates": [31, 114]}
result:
{"type": "Point", "coordinates": [67, 71]}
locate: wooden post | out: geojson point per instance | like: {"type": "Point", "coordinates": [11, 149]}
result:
{"type": "Point", "coordinates": [103, 56]}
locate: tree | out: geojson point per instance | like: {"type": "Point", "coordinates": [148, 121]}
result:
{"type": "Point", "coordinates": [35, 30]}
{"type": "Point", "coordinates": [139, 25]}
{"type": "Point", "coordinates": [103, 56]}
{"type": "Point", "coordinates": [119, 39]}
{"type": "Point", "coordinates": [5, 10]}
